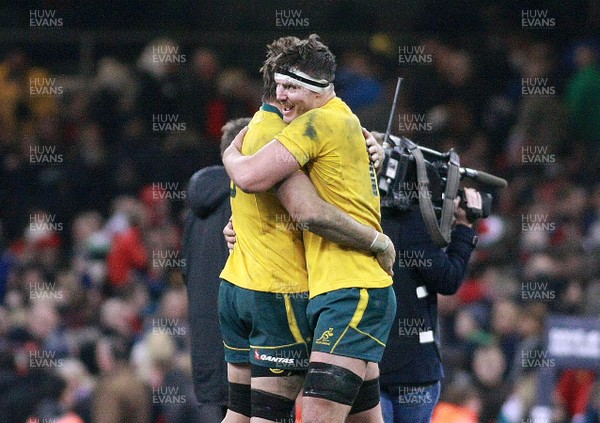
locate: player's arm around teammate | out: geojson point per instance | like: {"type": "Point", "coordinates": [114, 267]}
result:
{"type": "Point", "coordinates": [271, 259]}
{"type": "Point", "coordinates": [298, 195]}
{"type": "Point", "coordinates": [351, 306]}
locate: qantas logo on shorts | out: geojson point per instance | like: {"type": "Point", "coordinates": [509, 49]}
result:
{"type": "Point", "coordinates": [270, 358]}
{"type": "Point", "coordinates": [324, 338]}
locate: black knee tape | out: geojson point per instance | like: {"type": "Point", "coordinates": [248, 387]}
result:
{"type": "Point", "coordinates": [271, 406]}
{"type": "Point", "coordinates": [260, 371]}
{"type": "Point", "coordinates": [239, 398]}
{"type": "Point", "coordinates": [368, 396]}
{"type": "Point", "coordinates": [332, 383]}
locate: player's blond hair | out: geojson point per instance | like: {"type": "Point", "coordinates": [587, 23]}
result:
{"type": "Point", "coordinates": [230, 130]}
{"type": "Point", "coordinates": [274, 51]}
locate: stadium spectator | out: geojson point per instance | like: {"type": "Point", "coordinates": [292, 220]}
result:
{"type": "Point", "coordinates": [356, 82]}
{"type": "Point", "coordinates": [489, 366]}
{"type": "Point", "coordinates": [505, 319]}
{"type": "Point", "coordinates": [118, 384]}
{"type": "Point", "coordinates": [582, 104]}
{"type": "Point", "coordinates": [460, 403]}
{"type": "Point", "coordinates": [127, 254]}
{"type": "Point", "coordinates": [160, 82]}
{"type": "Point", "coordinates": [574, 390]}
{"type": "Point", "coordinates": [201, 88]}
{"type": "Point", "coordinates": [78, 393]}
{"type": "Point", "coordinates": [22, 88]}
{"type": "Point", "coordinates": [592, 414]}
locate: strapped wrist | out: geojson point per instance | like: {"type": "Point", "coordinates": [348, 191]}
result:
{"type": "Point", "coordinates": [380, 243]}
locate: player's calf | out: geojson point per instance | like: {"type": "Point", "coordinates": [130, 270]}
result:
{"type": "Point", "coordinates": [366, 407]}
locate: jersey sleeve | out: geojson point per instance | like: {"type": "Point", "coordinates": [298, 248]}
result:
{"type": "Point", "coordinates": [302, 137]}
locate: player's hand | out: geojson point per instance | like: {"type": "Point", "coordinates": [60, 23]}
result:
{"type": "Point", "coordinates": [229, 235]}
{"type": "Point", "coordinates": [376, 153]}
{"type": "Point", "coordinates": [239, 138]}
{"type": "Point", "coordinates": [473, 203]}
{"type": "Point", "coordinates": [387, 257]}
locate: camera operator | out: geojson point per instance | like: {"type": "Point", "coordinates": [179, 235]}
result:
{"type": "Point", "coordinates": [411, 367]}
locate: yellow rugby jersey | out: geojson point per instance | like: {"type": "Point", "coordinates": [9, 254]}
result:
{"type": "Point", "coordinates": [328, 142]}
{"type": "Point", "coordinates": [269, 253]}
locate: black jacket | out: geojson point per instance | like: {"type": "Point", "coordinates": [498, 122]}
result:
{"type": "Point", "coordinates": [205, 252]}
{"type": "Point", "coordinates": [422, 270]}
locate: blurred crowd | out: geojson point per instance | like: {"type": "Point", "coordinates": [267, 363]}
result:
{"type": "Point", "coordinates": [93, 305]}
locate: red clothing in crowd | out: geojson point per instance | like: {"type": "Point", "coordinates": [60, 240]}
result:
{"type": "Point", "coordinates": [451, 413]}
{"type": "Point", "coordinates": [126, 254]}
{"type": "Point", "coordinates": [574, 389]}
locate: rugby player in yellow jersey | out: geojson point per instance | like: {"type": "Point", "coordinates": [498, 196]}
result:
{"type": "Point", "coordinates": [263, 294]}
{"type": "Point", "coordinates": [352, 304]}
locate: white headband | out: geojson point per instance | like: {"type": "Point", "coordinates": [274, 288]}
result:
{"type": "Point", "coordinates": [302, 79]}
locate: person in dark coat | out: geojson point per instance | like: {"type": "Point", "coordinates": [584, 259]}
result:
{"type": "Point", "coordinates": [411, 367]}
{"type": "Point", "coordinates": [205, 253]}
